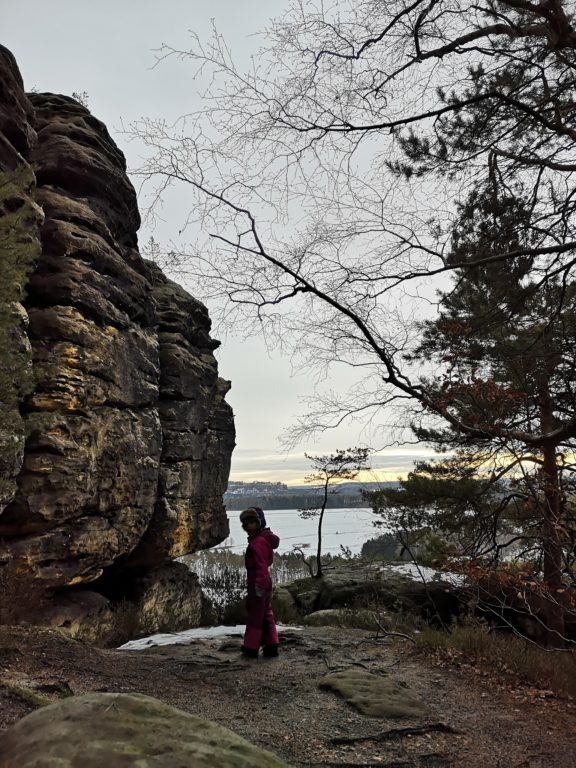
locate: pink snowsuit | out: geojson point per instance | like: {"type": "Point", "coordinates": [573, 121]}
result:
{"type": "Point", "coordinates": [260, 622]}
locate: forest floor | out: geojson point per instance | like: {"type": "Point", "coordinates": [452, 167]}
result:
{"type": "Point", "coordinates": [472, 719]}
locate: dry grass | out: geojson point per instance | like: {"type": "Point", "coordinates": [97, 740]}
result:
{"type": "Point", "coordinates": [474, 644]}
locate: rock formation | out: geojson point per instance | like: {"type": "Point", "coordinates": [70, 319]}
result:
{"type": "Point", "coordinates": [112, 378]}
{"type": "Point", "coordinates": [20, 219]}
{"type": "Point", "coordinates": [354, 587]}
{"type": "Point", "coordinates": [122, 730]}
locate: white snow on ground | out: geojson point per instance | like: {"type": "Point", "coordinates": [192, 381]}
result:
{"type": "Point", "coordinates": [423, 573]}
{"type": "Point", "coordinates": [189, 636]}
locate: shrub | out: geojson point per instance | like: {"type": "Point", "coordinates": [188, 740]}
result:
{"type": "Point", "coordinates": [472, 643]}
{"type": "Point", "coordinates": [384, 547]}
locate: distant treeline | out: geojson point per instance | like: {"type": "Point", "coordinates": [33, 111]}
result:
{"type": "Point", "coordinates": [292, 501]}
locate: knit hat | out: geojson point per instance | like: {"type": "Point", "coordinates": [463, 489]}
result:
{"type": "Point", "coordinates": [261, 517]}
{"type": "Point", "coordinates": [250, 514]}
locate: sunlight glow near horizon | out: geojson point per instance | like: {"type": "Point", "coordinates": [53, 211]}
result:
{"type": "Point", "coordinates": [291, 469]}
{"type": "Point", "coordinates": [272, 476]}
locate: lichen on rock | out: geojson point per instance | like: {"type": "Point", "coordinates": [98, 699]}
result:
{"type": "Point", "coordinates": [374, 695]}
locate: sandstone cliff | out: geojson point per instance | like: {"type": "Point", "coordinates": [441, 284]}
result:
{"type": "Point", "coordinates": [115, 437]}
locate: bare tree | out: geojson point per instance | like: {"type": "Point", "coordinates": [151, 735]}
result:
{"type": "Point", "coordinates": [329, 181]}
{"type": "Point", "coordinates": [327, 469]}
{"type": "Point", "coordinates": [329, 173]}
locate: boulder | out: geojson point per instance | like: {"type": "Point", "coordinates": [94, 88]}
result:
{"type": "Point", "coordinates": [233, 613]}
{"type": "Point", "coordinates": [124, 731]}
{"type": "Point", "coordinates": [164, 599]}
{"type": "Point", "coordinates": [359, 618]}
{"type": "Point", "coordinates": [168, 598]}
{"type": "Point", "coordinates": [283, 605]}
{"type": "Point", "coordinates": [373, 695]}
{"type": "Point", "coordinates": [358, 586]}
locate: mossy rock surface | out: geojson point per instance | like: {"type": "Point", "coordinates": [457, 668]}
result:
{"type": "Point", "coordinates": [284, 606]}
{"type": "Point", "coordinates": [24, 694]}
{"type": "Point", "coordinates": [374, 696]}
{"type": "Point", "coordinates": [359, 586]}
{"type": "Point", "coordinates": [124, 731]}
{"type": "Point", "coordinates": [358, 618]}
{"type": "Point", "coordinates": [347, 586]}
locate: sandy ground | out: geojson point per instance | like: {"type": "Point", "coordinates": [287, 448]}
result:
{"type": "Point", "coordinates": [472, 720]}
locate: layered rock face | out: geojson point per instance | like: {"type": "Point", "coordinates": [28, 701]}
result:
{"type": "Point", "coordinates": [19, 250]}
{"type": "Point", "coordinates": [130, 437]}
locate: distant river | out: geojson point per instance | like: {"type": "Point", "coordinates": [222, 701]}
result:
{"type": "Point", "coordinates": [349, 527]}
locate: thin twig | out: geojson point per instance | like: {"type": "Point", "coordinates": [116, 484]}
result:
{"type": "Point", "coordinates": [391, 634]}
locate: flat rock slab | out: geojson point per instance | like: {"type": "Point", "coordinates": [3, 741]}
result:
{"type": "Point", "coordinates": [373, 695]}
{"type": "Point", "coordinates": [359, 618]}
{"type": "Point", "coordinates": [119, 730]}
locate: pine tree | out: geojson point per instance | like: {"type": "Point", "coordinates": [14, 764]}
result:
{"type": "Point", "coordinates": [327, 469]}
{"type": "Point", "coordinates": [504, 347]}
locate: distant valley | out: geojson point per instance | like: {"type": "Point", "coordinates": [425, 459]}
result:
{"type": "Point", "coordinates": [276, 495]}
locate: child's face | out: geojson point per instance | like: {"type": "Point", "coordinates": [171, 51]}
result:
{"type": "Point", "coordinates": [250, 525]}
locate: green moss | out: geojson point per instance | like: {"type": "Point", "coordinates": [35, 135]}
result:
{"type": "Point", "coordinates": [126, 729]}
{"type": "Point", "coordinates": [20, 220]}
{"type": "Point", "coordinates": [373, 695]}
{"type": "Point", "coordinates": [25, 694]}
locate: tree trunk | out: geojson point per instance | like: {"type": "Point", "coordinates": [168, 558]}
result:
{"type": "Point", "coordinates": [552, 516]}
{"type": "Point", "coordinates": [319, 550]}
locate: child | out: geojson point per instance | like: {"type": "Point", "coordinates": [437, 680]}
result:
{"type": "Point", "coordinates": [260, 623]}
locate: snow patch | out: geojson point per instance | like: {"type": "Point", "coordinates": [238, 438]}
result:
{"type": "Point", "coordinates": [423, 573]}
{"type": "Point", "coordinates": [188, 636]}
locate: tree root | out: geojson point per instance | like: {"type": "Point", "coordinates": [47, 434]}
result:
{"type": "Point", "coordinates": [394, 733]}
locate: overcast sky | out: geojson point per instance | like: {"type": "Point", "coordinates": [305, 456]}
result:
{"type": "Point", "coordinates": [106, 49]}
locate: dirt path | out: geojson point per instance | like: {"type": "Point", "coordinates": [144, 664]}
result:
{"type": "Point", "coordinates": [471, 722]}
